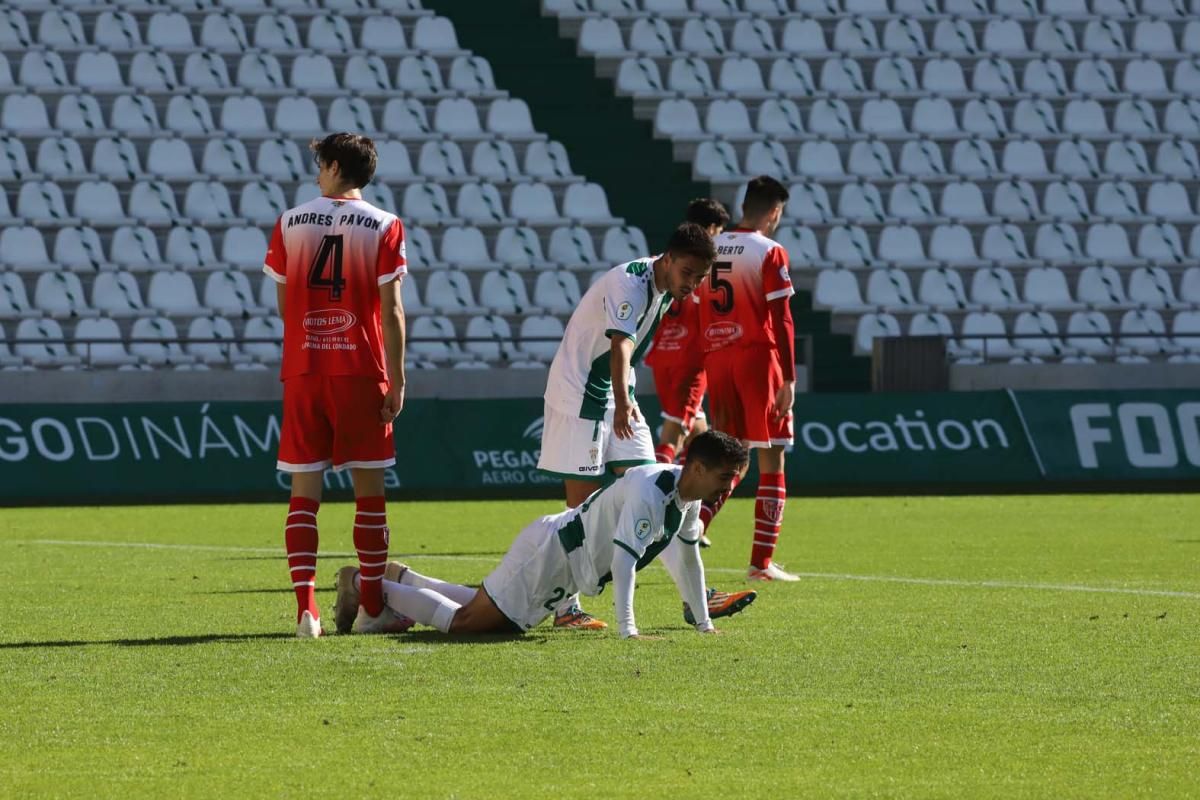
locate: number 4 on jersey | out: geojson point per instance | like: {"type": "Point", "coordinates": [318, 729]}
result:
{"type": "Point", "coordinates": [329, 254]}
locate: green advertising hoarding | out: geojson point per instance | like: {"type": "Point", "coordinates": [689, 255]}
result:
{"type": "Point", "coordinates": [861, 442]}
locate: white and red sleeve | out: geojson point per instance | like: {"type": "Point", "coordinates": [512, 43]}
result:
{"type": "Point", "coordinates": [391, 264]}
{"type": "Point", "coordinates": [275, 263]}
{"type": "Point", "coordinates": [776, 279]}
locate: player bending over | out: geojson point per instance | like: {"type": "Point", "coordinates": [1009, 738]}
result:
{"type": "Point", "coordinates": [338, 262]}
{"type": "Point", "coordinates": [677, 358]}
{"type": "Point", "coordinates": [593, 429]}
{"type": "Point", "coordinates": [615, 532]}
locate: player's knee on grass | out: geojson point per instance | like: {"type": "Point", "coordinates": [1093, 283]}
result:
{"type": "Point", "coordinates": [480, 615]}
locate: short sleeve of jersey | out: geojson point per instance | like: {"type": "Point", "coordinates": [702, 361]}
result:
{"type": "Point", "coordinates": [690, 530]}
{"type": "Point", "coordinates": [776, 280]}
{"type": "Point", "coordinates": [624, 302]}
{"type": "Point", "coordinates": [638, 523]}
{"type": "Point", "coordinates": [275, 263]}
{"type": "Point", "coordinates": [391, 263]}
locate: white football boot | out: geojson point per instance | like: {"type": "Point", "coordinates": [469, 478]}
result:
{"type": "Point", "coordinates": [309, 627]}
{"type": "Point", "coordinates": [773, 572]}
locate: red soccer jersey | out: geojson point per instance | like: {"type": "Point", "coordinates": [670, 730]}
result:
{"type": "Point", "coordinates": [750, 271]}
{"type": "Point", "coordinates": [333, 254]}
{"type": "Point", "coordinates": [677, 342]}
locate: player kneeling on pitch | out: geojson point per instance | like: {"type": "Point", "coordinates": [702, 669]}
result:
{"type": "Point", "coordinates": [617, 531]}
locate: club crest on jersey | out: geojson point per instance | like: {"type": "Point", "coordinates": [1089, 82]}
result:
{"type": "Point", "coordinates": [624, 311]}
{"type": "Point", "coordinates": [641, 529]}
{"type": "Point", "coordinates": [328, 321]}
{"type": "Point", "coordinates": [772, 510]}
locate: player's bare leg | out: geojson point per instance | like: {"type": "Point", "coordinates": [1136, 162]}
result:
{"type": "Point", "coordinates": [569, 613]}
{"type": "Point", "coordinates": [300, 539]}
{"type": "Point", "coordinates": [768, 517]}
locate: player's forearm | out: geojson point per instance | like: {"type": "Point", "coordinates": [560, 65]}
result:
{"type": "Point", "coordinates": [624, 572]}
{"type": "Point", "coordinates": [393, 346]}
{"type": "Point", "coordinates": [620, 357]}
{"type": "Point", "coordinates": [691, 582]}
{"type": "Point", "coordinates": [785, 336]}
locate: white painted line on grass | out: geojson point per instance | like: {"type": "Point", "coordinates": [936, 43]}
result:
{"type": "Point", "coordinates": [1050, 587]}
{"type": "Point", "coordinates": [485, 557]}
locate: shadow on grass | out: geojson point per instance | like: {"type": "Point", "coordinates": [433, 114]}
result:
{"type": "Point", "coordinates": [425, 636]}
{"type": "Point", "coordinates": [464, 554]}
{"type": "Point", "coordinates": [209, 638]}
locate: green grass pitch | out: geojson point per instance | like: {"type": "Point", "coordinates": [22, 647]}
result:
{"type": "Point", "coordinates": [965, 647]}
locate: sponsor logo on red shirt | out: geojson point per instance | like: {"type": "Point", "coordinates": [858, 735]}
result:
{"type": "Point", "coordinates": [326, 321]}
{"type": "Point", "coordinates": [723, 332]}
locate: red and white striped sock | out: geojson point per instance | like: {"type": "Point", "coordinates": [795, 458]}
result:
{"type": "Point", "coordinates": [768, 517]}
{"type": "Point", "coordinates": [664, 454]}
{"type": "Point", "coordinates": [371, 542]}
{"type": "Point", "coordinates": [709, 510]}
{"type": "Point", "coordinates": [300, 539]}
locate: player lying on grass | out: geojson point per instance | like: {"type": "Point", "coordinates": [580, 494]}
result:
{"type": "Point", "coordinates": [617, 531]}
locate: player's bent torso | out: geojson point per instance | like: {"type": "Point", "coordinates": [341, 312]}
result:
{"type": "Point", "coordinates": [750, 271]}
{"type": "Point", "coordinates": [624, 300]}
{"type": "Point", "coordinates": [640, 512]}
{"type": "Point", "coordinates": [336, 254]}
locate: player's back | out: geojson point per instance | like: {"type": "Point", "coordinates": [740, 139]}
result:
{"type": "Point", "coordinates": [750, 271]}
{"type": "Point", "coordinates": [333, 254]}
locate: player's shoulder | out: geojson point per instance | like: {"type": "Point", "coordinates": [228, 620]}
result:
{"type": "Point", "coordinates": [657, 480]}
{"type": "Point", "coordinates": [368, 209]}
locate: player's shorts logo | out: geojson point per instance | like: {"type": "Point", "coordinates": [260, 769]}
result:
{"type": "Point", "coordinates": [772, 510]}
{"type": "Point", "coordinates": [723, 332]}
{"type": "Point", "coordinates": [641, 528]}
{"type": "Point", "coordinates": [327, 321]}
{"type": "Point", "coordinates": [624, 311]}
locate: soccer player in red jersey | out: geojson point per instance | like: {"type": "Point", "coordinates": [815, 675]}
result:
{"type": "Point", "coordinates": [748, 338]}
{"type": "Point", "coordinates": [338, 262]}
{"type": "Point", "coordinates": [676, 358]}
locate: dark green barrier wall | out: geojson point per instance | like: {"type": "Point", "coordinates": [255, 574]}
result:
{"type": "Point", "coordinates": [131, 452]}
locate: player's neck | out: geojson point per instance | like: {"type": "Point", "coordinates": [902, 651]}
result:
{"type": "Point", "coordinates": [752, 226]}
{"type": "Point", "coordinates": [348, 193]}
{"type": "Point", "coordinates": [660, 274]}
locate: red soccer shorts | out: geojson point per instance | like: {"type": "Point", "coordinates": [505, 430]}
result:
{"type": "Point", "coordinates": [742, 383]}
{"type": "Point", "coordinates": [333, 421]}
{"type": "Point", "coordinates": [680, 392]}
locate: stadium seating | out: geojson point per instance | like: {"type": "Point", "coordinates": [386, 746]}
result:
{"type": "Point", "coordinates": [148, 148]}
{"type": "Point", "coordinates": [1019, 163]}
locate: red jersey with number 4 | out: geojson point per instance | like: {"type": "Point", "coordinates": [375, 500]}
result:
{"type": "Point", "coordinates": [750, 271]}
{"type": "Point", "coordinates": [333, 254]}
{"type": "Point", "coordinates": [677, 341]}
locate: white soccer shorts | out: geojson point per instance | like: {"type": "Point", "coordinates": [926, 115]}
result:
{"type": "Point", "coordinates": [582, 449]}
{"type": "Point", "coordinates": [533, 577]}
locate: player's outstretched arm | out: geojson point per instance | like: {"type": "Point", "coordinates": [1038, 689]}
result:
{"type": "Point", "coordinates": [391, 318]}
{"type": "Point", "coordinates": [689, 578]}
{"type": "Point", "coordinates": [624, 572]}
{"type": "Point", "coordinates": [780, 312]}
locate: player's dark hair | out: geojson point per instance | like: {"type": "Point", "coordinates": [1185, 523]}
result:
{"type": "Point", "coordinates": [762, 195]}
{"type": "Point", "coordinates": [714, 449]}
{"type": "Point", "coordinates": [353, 153]}
{"type": "Point", "coordinates": [689, 239]}
{"type": "Point", "coordinates": [706, 212]}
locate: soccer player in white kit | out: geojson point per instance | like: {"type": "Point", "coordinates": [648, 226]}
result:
{"type": "Point", "coordinates": [615, 532]}
{"type": "Point", "coordinates": [592, 428]}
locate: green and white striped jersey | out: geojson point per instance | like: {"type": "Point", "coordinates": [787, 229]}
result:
{"type": "Point", "coordinates": [627, 524]}
{"type": "Point", "coordinates": [622, 303]}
